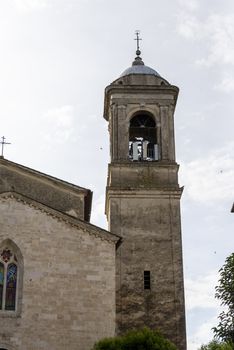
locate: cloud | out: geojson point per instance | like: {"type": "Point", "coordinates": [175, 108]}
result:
{"type": "Point", "coordinates": [226, 85]}
{"type": "Point", "coordinates": [58, 124]}
{"type": "Point", "coordinates": [98, 210]}
{"type": "Point", "coordinates": [220, 30]}
{"type": "Point", "coordinates": [188, 26]}
{"type": "Point", "coordinates": [190, 5]}
{"type": "Point", "coordinates": [200, 291]}
{"type": "Point", "coordinates": [210, 179]}
{"type": "Point", "coordinates": [202, 335]}
{"type": "Point", "coordinates": [31, 5]}
{"type": "Point", "coordinates": [215, 33]}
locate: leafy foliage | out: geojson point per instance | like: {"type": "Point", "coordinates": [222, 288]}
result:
{"type": "Point", "coordinates": [216, 345]}
{"type": "Point", "coordinates": [225, 293]}
{"type": "Point", "coordinates": [144, 339]}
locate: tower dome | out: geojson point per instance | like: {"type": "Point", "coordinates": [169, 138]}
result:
{"type": "Point", "coordinates": [139, 73]}
{"type": "Point", "coordinates": [138, 67]}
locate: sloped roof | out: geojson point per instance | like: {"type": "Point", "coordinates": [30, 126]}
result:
{"type": "Point", "coordinates": [53, 179]}
{"type": "Point", "coordinates": [45, 188]}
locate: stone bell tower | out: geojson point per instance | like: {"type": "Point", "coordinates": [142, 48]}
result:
{"type": "Point", "coordinates": [143, 202]}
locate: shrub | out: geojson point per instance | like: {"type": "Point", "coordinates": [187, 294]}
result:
{"type": "Point", "coordinates": [216, 345]}
{"type": "Point", "coordinates": [144, 339]}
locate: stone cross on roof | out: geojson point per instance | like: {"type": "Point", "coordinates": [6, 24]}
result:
{"type": "Point", "coordinates": [3, 142]}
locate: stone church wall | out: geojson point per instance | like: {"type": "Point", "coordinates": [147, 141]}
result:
{"type": "Point", "coordinates": [68, 290]}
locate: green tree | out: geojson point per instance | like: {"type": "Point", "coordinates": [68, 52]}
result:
{"type": "Point", "coordinates": [216, 345]}
{"type": "Point", "coordinates": [225, 293]}
{"type": "Point", "coordinates": [144, 339]}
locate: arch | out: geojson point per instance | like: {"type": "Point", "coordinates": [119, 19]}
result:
{"type": "Point", "coordinates": [11, 277]}
{"type": "Point", "coordinates": [6, 346]}
{"type": "Point", "coordinates": [143, 143]}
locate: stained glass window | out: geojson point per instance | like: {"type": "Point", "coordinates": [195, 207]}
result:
{"type": "Point", "coordinates": [11, 287]}
{"type": "Point", "coordinates": [1, 283]}
{"type": "Point", "coordinates": [9, 270]}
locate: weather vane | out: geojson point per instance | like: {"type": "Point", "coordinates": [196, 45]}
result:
{"type": "Point", "coordinates": [137, 32]}
{"type": "Point", "coordinates": [3, 142]}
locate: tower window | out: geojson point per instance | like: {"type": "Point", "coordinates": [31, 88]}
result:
{"type": "Point", "coordinates": [146, 279]}
{"type": "Point", "coordinates": [142, 138]}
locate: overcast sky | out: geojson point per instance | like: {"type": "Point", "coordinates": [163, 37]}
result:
{"type": "Point", "coordinates": [56, 58]}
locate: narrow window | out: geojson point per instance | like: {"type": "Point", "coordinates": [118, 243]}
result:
{"type": "Point", "coordinates": [146, 279]}
{"type": "Point", "coordinates": [1, 283]}
{"type": "Point", "coordinates": [11, 287]}
{"type": "Point", "coordinates": [8, 279]}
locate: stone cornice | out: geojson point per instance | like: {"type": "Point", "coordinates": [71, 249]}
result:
{"type": "Point", "coordinates": [67, 219]}
{"type": "Point", "coordinates": [142, 164]}
{"type": "Point", "coordinates": [142, 192]}
{"type": "Point", "coordinates": [126, 89]}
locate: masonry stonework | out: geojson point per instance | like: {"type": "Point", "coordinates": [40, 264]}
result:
{"type": "Point", "coordinates": [78, 283]}
{"type": "Point", "coordinates": [143, 202]}
{"type": "Point", "coordinates": [53, 192]}
{"type": "Point", "coordinates": [68, 281]}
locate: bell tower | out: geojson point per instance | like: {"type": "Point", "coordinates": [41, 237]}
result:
{"type": "Point", "coordinates": [143, 202]}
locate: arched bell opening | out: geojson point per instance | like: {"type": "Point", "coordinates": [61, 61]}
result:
{"type": "Point", "coordinates": [143, 144]}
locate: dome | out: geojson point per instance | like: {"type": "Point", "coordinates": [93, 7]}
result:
{"type": "Point", "coordinates": [140, 69]}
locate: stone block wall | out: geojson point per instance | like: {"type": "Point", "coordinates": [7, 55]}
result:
{"type": "Point", "coordinates": [150, 227]}
{"type": "Point", "coordinates": [68, 289]}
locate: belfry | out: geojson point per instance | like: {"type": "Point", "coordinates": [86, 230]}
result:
{"type": "Point", "coordinates": [143, 202]}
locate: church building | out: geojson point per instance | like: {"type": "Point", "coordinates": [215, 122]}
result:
{"type": "Point", "coordinates": [65, 283]}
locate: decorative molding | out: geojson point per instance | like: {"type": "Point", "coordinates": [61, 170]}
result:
{"type": "Point", "coordinates": [86, 227]}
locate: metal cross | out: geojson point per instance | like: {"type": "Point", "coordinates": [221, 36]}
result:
{"type": "Point", "coordinates": [3, 142]}
{"type": "Point", "coordinates": [137, 32]}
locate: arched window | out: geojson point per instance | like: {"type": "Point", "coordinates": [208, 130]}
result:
{"type": "Point", "coordinates": [142, 138]}
{"type": "Point", "coordinates": [9, 278]}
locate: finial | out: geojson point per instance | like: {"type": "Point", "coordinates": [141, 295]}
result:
{"type": "Point", "coordinates": [138, 59]}
{"type": "Point", "coordinates": [3, 142]}
{"type": "Point", "coordinates": [138, 52]}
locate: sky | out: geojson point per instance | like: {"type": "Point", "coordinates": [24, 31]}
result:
{"type": "Point", "coordinates": [57, 56]}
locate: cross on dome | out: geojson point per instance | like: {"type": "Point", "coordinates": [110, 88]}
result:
{"type": "Point", "coordinates": [138, 59]}
{"type": "Point", "coordinates": [138, 52]}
